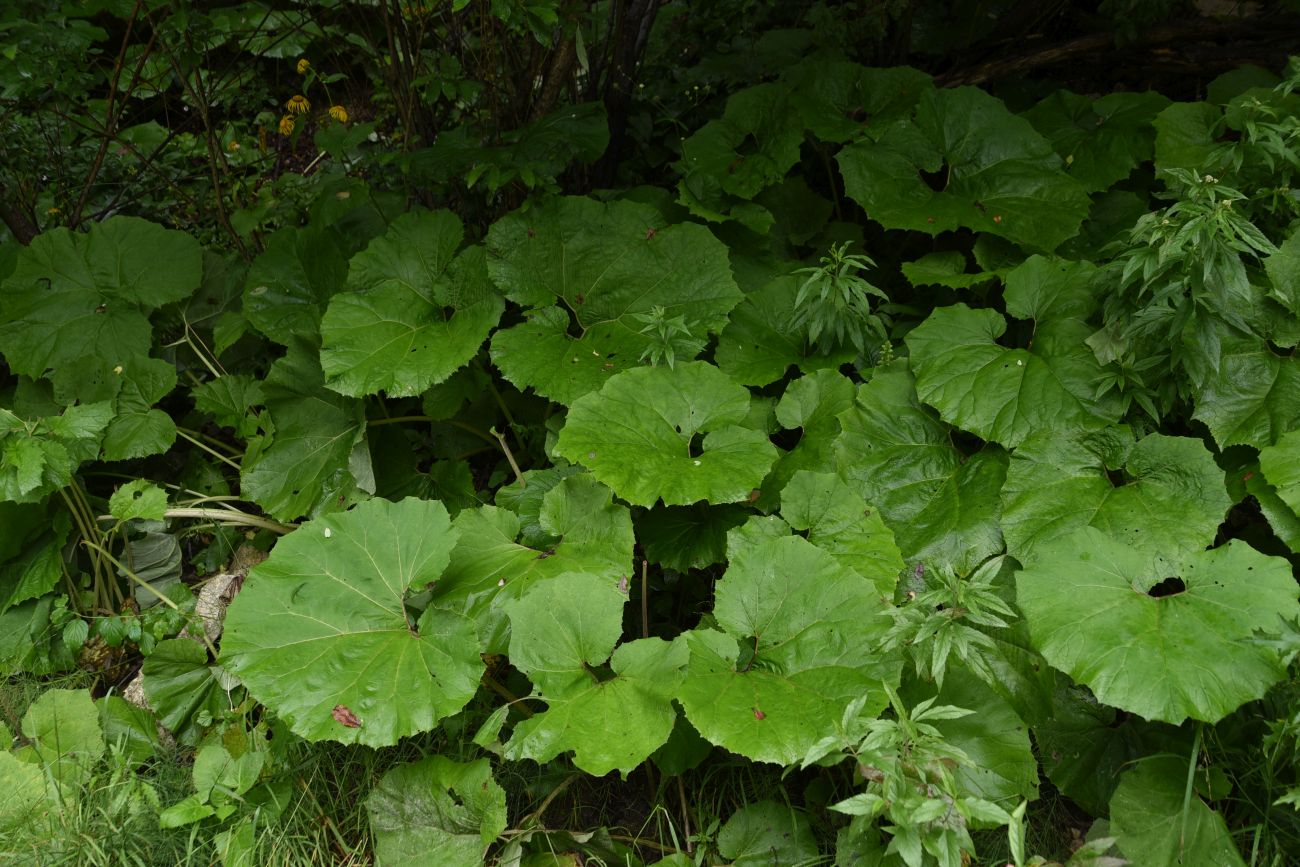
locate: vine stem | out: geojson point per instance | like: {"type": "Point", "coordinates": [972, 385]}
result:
{"type": "Point", "coordinates": [499, 688]}
{"type": "Point", "coordinates": [536, 815]}
{"type": "Point", "coordinates": [519, 476]}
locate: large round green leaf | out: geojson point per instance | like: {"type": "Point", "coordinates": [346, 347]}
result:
{"type": "Point", "coordinates": [320, 633]}
{"type": "Point", "coordinates": [77, 296]}
{"type": "Point", "coordinates": [291, 282]}
{"type": "Point", "coordinates": [1001, 394]}
{"type": "Point", "coordinates": [998, 174]}
{"type": "Point", "coordinates": [562, 632]}
{"type": "Point", "coordinates": [797, 647]}
{"type": "Point", "coordinates": [638, 435]}
{"type": "Point", "coordinates": [1156, 826]}
{"type": "Point", "coordinates": [600, 264]}
{"type": "Point", "coordinates": [412, 314]}
{"type": "Point", "coordinates": [1163, 639]}
{"type": "Point", "coordinates": [1170, 499]}
{"type": "Point", "coordinates": [1101, 140]}
{"type": "Point", "coordinates": [942, 505]}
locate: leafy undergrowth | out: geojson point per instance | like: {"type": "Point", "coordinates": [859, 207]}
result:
{"type": "Point", "coordinates": [915, 481]}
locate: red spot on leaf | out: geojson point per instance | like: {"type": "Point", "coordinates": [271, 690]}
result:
{"type": "Point", "coordinates": [650, 233]}
{"type": "Point", "coordinates": [1248, 476]}
{"type": "Point", "coordinates": [758, 714]}
{"type": "Point", "coordinates": [344, 716]}
{"type": "Point", "coordinates": [997, 218]}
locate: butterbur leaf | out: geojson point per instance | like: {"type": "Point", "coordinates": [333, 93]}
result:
{"type": "Point", "coordinates": [565, 629]}
{"type": "Point", "coordinates": [592, 267]}
{"type": "Point", "coordinates": [796, 647]}
{"type": "Point", "coordinates": [994, 173]}
{"type": "Point", "coordinates": [1283, 268]}
{"type": "Point", "coordinates": [291, 282]}
{"type": "Point", "coordinates": [839, 521]}
{"type": "Point", "coordinates": [1000, 394]}
{"type": "Point", "coordinates": [137, 429]}
{"type": "Point", "coordinates": [183, 688]}
{"type": "Point", "coordinates": [1166, 640]}
{"type": "Point", "coordinates": [412, 315]}
{"type": "Point", "coordinates": [766, 833]}
{"type": "Point", "coordinates": [811, 405]}
{"type": "Point", "coordinates": [1161, 494]}
{"type": "Point", "coordinates": [675, 435]}
{"type": "Point", "coordinates": [942, 505]}
{"type": "Point", "coordinates": [63, 727]}
{"type": "Point", "coordinates": [760, 342]}
{"type": "Point", "coordinates": [322, 623]}
{"type": "Point", "coordinates": [590, 532]}
{"type": "Point", "coordinates": [1100, 140]}
{"type": "Point", "coordinates": [312, 455]}
{"type": "Point", "coordinates": [31, 551]}
{"type": "Point", "coordinates": [1280, 464]}
{"type": "Point", "coordinates": [76, 296]}
{"type": "Point", "coordinates": [1155, 827]}
{"type": "Point", "coordinates": [1254, 397]}
{"type": "Point", "coordinates": [838, 100]}
{"type": "Point", "coordinates": [436, 811]}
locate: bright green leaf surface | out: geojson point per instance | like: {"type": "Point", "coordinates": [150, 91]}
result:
{"type": "Point", "coordinates": [74, 296]}
{"type": "Point", "coordinates": [638, 435]}
{"type": "Point", "coordinates": [1162, 494]}
{"type": "Point", "coordinates": [138, 499]}
{"type": "Point", "coordinates": [31, 551]}
{"type": "Point", "coordinates": [1281, 466]}
{"type": "Point", "coordinates": [436, 812]}
{"type": "Point", "coordinates": [39, 456]}
{"type": "Point", "coordinates": [412, 314]}
{"type": "Point", "coordinates": [22, 791]}
{"type": "Point", "coordinates": [1181, 653]}
{"type": "Point", "coordinates": [1153, 829]}
{"type": "Point", "coordinates": [997, 174]}
{"type": "Point", "coordinates": [1283, 269]}
{"type": "Point", "coordinates": [807, 625]}
{"type": "Point", "coordinates": [63, 727]}
{"type": "Point", "coordinates": [837, 520]}
{"type": "Point", "coordinates": [941, 505]}
{"type": "Point", "coordinates": [604, 263]}
{"type": "Point", "coordinates": [811, 405]}
{"type": "Point", "coordinates": [322, 625]}
{"type": "Point", "coordinates": [1000, 394]}
{"type": "Point", "coordinates": [594, 535]}
{"type": "Point", "coordinates": [562, 631]}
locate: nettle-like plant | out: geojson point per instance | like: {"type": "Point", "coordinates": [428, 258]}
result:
{"type": "Point", "coordinates": [626, 480]}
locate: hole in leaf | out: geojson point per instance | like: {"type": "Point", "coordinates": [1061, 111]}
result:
{"type": "Point", "coordinates": [1171, 586]}
{"type": "Point", "coordinates": [696, 447]}
{"type": "Point", "coordinates": [936, 181]}
{"type": "Point", "coordinates": [575, 329]}
{"type": "Point", "coordinates": [448, 312]}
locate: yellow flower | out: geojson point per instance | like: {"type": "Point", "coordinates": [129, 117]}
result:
{"type": "Point", "coordinates": [298, 104]}
{"type": "Point", "coordinates": [233, 146]}
{"type": "Point", "coordinates": [339, 113]}
{"type": "Point", "coordinates": [53, 211]}
{"type": "Point", "coordinates": [303, 65]}
{"type": "Point", "coordinates": [286, 125]}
